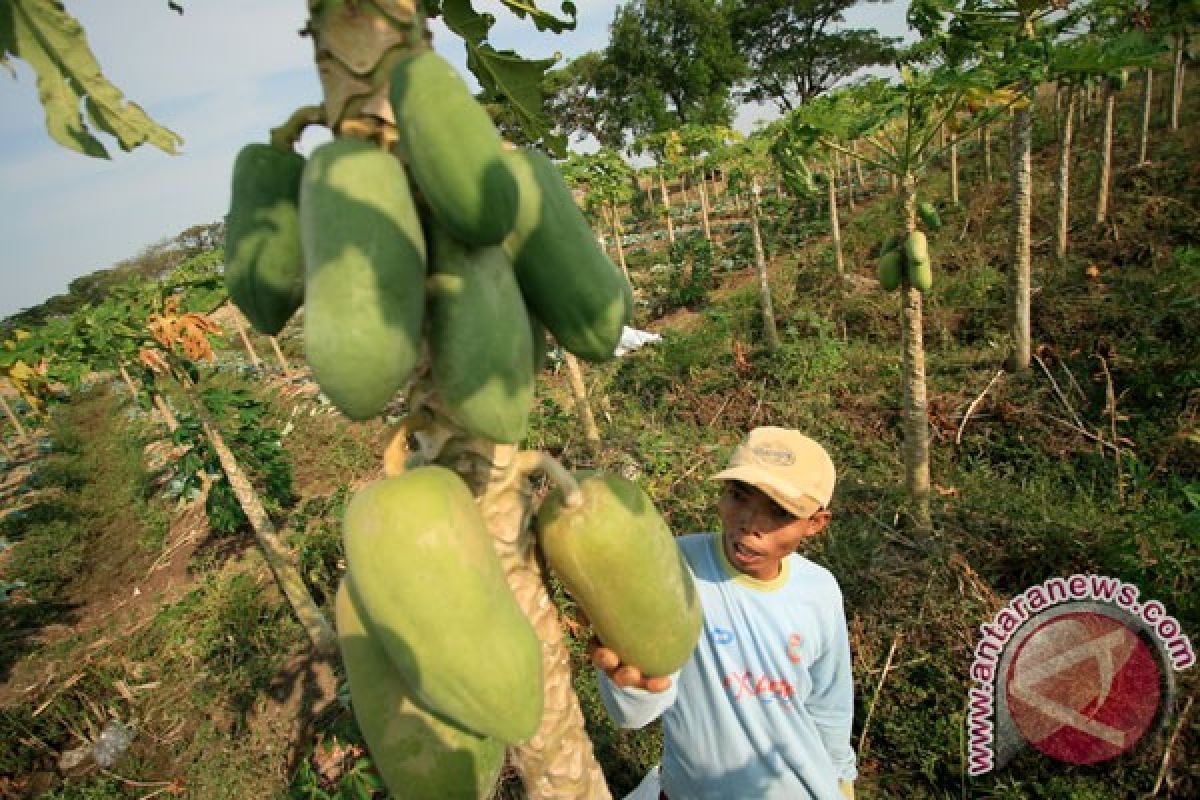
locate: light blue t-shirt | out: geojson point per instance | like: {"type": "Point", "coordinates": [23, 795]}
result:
{"type": "Point", "coordinates": [763, 707]}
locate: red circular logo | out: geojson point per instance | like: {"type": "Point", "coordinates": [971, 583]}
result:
{"type": "Point", "coordinates": [1083, 688]}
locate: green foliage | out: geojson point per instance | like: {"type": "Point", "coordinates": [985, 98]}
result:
{"type": "Point", "coordinates": [672, 62]}
{"type": "Point", "coordinates": [255, 443]}
{"type": "Point", "coordinates": [51, 41]}
{"type": "Point", "coordinates": [798, 50]}
{"type": "Point", "coordinates": [691, 276]}
{"type": "Point", "coordinates": [504, 73]}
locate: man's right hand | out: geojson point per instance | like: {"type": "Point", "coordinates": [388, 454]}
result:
{"type": "Point", "coordinates": [625, 675]}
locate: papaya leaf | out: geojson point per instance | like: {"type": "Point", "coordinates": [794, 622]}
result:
{"type": "Point", "coordinates": [544, 20]}
{"type": "Point", "coordinates": [504, 74]}
{"type": "Point", "coordinates": [518, 81]}
{"type": "Point", "coordinates": [52, 42]}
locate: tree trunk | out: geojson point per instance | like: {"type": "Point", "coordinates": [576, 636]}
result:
{"type": "Point", "coordinates": [583, 406]}
{"type": "Point", "coordinates": [1147, 95]}
{"type": "Point", "coordinates": [666, 197]}
{"type": "Point", "coordinates": [1177, 83]}
{"type": "Point", "coordinates": [614, 217]}
{"type": "Point", "coordinates": [760, 264]}
{"type": "Point", "coordinates": [1019, 261]}
{"type": "Point", "coordinates": [558, 762]}
{"type": "Point", "coordinates": [954, 169]}
{"type": "Point", "coordinates": [283, 364]}
{"type": "Point", "coordinates": [16, 421]}
{"type": "Point", "coordinates": [704, 207]}
{"type": "Point", "coordinates": [129, 384]}
{"type": "Point", "coordinates": [1110, 105]}
{"type": "Point", "coordinates": [164, 411]}
{"type": "Point", "coordinates": [835, 232]}
{"type": "Point", "coordinates": [848, 183]}
{"type": "Point", "coordinates": [278, 556]}
{"type": "Point", "coordinates": [1063, 181]}
{"type": "Point", "coordinates": [858, 166]}
{"type": "Point", "coordinates": [241, 329]}
{"type": "Point", "coordinates": [916, 416]}
{"type": "Point", "coordinates": [985, 134]}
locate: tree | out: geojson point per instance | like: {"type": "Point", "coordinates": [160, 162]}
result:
{"type": "Point", "coordinates": [575, 103]}
{"type": "Point", "coordinates": [793, 51]}
{"type": "Point", "coordinates": [670, 62]}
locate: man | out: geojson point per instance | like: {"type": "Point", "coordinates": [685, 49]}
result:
{"type": "Point", "coordinates": [762, 709]}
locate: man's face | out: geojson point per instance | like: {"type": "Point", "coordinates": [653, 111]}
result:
{"type": "Point", "coordinates": [758, 534]}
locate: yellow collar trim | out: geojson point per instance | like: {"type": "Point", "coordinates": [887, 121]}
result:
{"type": "Point", "coordinates": [746, 580]}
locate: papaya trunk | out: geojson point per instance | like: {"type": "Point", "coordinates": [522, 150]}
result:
{"type": "Point", "coordinates": [164, 411]}
{"type": "Point", "coordinates": [835, 232]}
{"type": "Point", "coordinates": [614, 217]}
{"type": "Point", "coordinates": [283, 363]}
{"type": "Point", "coordinates": [1110, 105]}
{"type": "Point", "coordinates": [1063, 181]}
{"type": "Point", "coordinates": [985, 134]}
{"type": "Point", "coordinates": [916, 418]}
{"type": "Point", "coordinates": [241, 329]}
{"type": "Point", "coordinates": [704, 208]}
{"type": "Point", "coordinates": [760, 264]}
{"type": "Point", "coordinates": [558, 763]}
{"type": "Point", "coordinates": [849, 183]}
{"type": "Point", "coordinates": [129, 384]}
{"type": "Point", "coordinates": [954, 169]}
{"type": "Point", "coordinates": [277, 555]}
{"type": "Point", "coordinates": [666, 198]}
{"type": "Point", "coordinates": [1147, 98]}
{"type": "Point", "coordinates": [1019, 243]}
{"type": "Point", "coordinates": [583, 406]}
{"type": "Point", "coordinates": [1177, 83]}
{"type": "Point", "coordinates": [16, 421]}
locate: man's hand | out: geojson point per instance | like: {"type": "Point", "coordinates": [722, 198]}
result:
{"type": "Point", "coordinates": [624, 675]}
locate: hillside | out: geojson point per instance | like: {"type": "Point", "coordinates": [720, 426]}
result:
{"type": "Point", "coordinates": [136, 604]}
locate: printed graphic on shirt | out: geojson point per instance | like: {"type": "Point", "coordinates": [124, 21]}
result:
{"type": "Point", "coordinates": [793, 648]}
{"type": "Point", "coordinates": [722, 635]}
{"type": "Point", "coordinates": [743, 685]}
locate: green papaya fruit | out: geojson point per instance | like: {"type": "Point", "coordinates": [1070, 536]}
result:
{"type": "Point", "coordinates": [891, 270]}
{"type": "Point", "coordinates": [929, 216]}
{"type": "Point", "coordinates": [617, 558]}
{"type": "Point", "coordinates": [453, 150]}
{"type": "Point", "coordinates": [568, 281]}
{"type": "Point", "coordinates": [420, 755]}
{"type": "Point", "coordinates": [433, 593]}
{"type": "Point", "coordinates": [891, 243]}
{"type": "Point", "coordinates": [365, 275]}
{"type": "Point", "coordinates": [264, 267]}
{"type": "Point", "coordinates": [918, 267]}
{"type": "Point", "coordinates": [480, 337]}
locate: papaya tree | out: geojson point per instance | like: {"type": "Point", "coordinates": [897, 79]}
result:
{"type": "Point", "coordinates": [698, 142]}
{"type": "Point", "coordinates": [902, 124]}
{"type": "Point", "coordinates": [752, 159]}
{"type": "Point", "coordinates": [605, 178]}
{"type": "Point", "coordinates": [1012, 38]}
{"type": "Point", "coordinates": [667, 151]}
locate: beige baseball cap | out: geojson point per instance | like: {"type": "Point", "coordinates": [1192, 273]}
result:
{"type": "Point", "coordinates": [785, 465]}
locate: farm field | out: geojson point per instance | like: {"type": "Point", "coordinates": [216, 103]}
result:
{"type": "Point", "coordinates": [174, 482]}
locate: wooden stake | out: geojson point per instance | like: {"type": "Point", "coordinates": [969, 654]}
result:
{"type": "Point", "coordinates": [22, 434]}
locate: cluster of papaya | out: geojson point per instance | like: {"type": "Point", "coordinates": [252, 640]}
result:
{"type": "Point", "coordinates": [444, 669]}
{"type": "Point", "coordinates": [478, 248]}
{"type": "Point", "coordinates": [904, 258]}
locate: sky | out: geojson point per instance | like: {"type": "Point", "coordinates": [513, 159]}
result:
{"type": "Point", "coordinates": [220, 75]}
